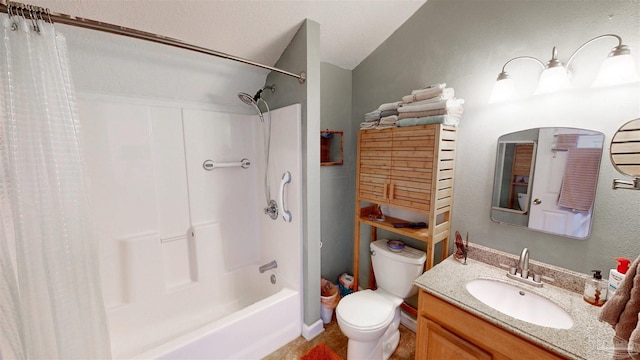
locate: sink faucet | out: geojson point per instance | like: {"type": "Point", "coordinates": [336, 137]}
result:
{"type": "Point", "coordinates": [523, 263]}
{"type": "Point", "coordinates": [523, 267]}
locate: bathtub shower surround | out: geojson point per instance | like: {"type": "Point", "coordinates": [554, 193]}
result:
{"type": "Point", "coordinates": [181, 246]}
{"type": "Point", "coordinates": [50, 292]}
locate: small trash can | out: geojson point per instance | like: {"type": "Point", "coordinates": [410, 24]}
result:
{"type": "Point", "coordinates": [329, 298]}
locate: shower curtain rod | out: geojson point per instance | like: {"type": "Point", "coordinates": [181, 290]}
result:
{"type": "Point", "coordinates": [27, 10]}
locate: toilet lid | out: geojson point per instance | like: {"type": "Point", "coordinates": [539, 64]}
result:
{"type": "Point", "coordinates": [365, 309]}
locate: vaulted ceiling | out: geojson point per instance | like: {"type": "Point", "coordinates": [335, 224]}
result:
{"type": "Point", "coordinates": [257, 30]}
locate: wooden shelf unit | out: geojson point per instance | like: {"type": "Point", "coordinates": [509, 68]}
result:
{"type": "Point", "coordinates": [409, 168]}
{"type": "Point", "coordinates": [521, 167]}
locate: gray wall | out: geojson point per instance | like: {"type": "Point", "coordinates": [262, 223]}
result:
{"type": "Point", "coordinates": [465, 44]}
{"type": "Point", "coordinates": [303, 54]}
{"type": "Point", "coordinates": [337, 183]}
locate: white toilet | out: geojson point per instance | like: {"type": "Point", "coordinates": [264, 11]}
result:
{"type": "Point", "coordinates": [370, 319]}
{"type": "Point", "coordinates": [522, 200]}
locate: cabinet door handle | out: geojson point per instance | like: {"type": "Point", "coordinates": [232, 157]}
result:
{"type": "Point", "coordinates": [391, 188]}
{"type": "Point", "coordinates": [386, 190]}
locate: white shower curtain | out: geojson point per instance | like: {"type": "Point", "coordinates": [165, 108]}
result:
{"type": "Point", "coordinates": [50, 297]}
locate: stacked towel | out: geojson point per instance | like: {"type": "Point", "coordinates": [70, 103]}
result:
{"type": "Point", "coordinates": [366, 125]}
{"type": "Point", "coordinates": [452, 108]}
{"type": "Point", "coordinates": [387, 122]}
{"type": "Point", "coordinates": [372, 116]}
{"type": "Point", "coordinates": [433, 86]}
{"type": "Point", "coordinates": [622, 311]}
{"type": "Point", "coordinates": [385, 113]}
{"type": "Point", "coordinates": [419, 95]}
{"type": "Point", "coordinates": [427, 120]}
{"type": "Point", "coordinates": [433, 104]}
{"type": "Point", "coordinates": [390, 106]}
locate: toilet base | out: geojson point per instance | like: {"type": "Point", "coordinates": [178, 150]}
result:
{"type": "Point", "coordinates": [390, 345]}
{"type": "Point", "coordinates": [358, 350]}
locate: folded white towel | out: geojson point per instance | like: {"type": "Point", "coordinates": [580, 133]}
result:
{"type": "Point", "coordinates": [390, 106]}
{"type": "Point", "coordinates": [442, 104]}
{"type": "Point", "coordinates": [431, 100]}
{"type": "Point", "coordinates": [372, 116]}
{"type": "Point", "coordinates": [434, 86]}
{"type": "Point", "coordinates": [368, 125]}
{"type": "Point", "coordinates": [428, 94]}
{"type": "Point", "coordinates": [389, 120]}
{"type": "Point", "coordinates": [438, 119]}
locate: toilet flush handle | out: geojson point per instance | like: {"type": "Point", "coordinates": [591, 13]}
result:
{"type": "Point", "coordinates": [372, 252]}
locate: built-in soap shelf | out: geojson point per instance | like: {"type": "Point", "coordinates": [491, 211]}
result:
{"type": "Point", "coordinates": [331, 147]}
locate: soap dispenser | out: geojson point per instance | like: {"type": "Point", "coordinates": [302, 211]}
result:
{"type": "Point", "coordinates": [595, 289]}
{"type": "Point", "coordinates": [617, 275]}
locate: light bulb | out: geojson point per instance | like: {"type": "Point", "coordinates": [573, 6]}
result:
{"type": "Point", "coordinates": [616, 70]}
{"type": "Point", "coordinates": [503, 90]}
{"type": "Point", "coordinates": [553, 79]}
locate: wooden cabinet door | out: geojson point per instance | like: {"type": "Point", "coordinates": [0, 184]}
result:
{"type": "Point", "coordinates": [374, 165]}
{"type": "Point", "coordinates": [522, 160]}
{"type": "Point", "coordinates": [438, 343]}
{"type": "Point", "coordinates": [412, 164]}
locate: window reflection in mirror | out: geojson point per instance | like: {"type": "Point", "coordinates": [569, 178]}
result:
{"type": "Point", "coordinates": [545, 180]}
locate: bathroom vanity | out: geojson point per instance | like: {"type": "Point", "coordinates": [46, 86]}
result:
{"type": "Point", "coordinates": [453, 324]}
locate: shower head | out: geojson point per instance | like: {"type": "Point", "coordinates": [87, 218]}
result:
{"type": "Point", "coordinates": [247, 99]}
{"type": "Point", "coordinates": [253, 100]}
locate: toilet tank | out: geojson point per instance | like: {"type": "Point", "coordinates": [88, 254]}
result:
{"type": "Point", "coordinates": [396, 271]}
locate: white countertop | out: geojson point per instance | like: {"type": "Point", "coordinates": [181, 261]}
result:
{"type": "Point", "coordinates": [588, 339]}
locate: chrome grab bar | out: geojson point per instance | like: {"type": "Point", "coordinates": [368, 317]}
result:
{"type": "Point", "coordinates": [210, 165]}
{"type": "Point", "coordinates": [286, 214]}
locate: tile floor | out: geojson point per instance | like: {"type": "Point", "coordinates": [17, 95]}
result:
{"type": "Point", "coordinates": [333, 337]}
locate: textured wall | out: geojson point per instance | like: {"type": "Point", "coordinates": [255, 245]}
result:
{"type": "Point", "coordinates": [465, 43]}
{"type": "Point", "coordinates": [337, 183]}
{"type": "Point", "coordinates": [303, 55]}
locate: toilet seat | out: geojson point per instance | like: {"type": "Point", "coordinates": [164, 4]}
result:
{"type": "Point", "coordinates": [366, 311]}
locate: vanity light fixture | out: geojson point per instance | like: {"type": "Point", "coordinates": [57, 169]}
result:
{"type": "Point", "coordinates": [619, 68]}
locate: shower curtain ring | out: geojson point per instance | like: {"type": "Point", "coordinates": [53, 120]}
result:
{"type": "Point", "coordinates": [33, 15]}
{"type": "Point", "coordinates": [12, 11]}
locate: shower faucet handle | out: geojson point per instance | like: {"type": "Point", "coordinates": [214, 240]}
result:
{"type": "Point", "coordinates": [272, 210]}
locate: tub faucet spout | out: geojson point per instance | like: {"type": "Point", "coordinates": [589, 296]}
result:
{"type": "Point", "coordinates": [268, 266]}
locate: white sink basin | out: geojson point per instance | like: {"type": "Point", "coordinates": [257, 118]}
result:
{"type": "Point", "coordinates": [519, 303]}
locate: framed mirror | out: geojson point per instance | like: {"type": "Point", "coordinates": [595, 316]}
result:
{"type": "Point", "coordinates": [625, 155]}
{"type": "Point", "coordinates": [545, 179]}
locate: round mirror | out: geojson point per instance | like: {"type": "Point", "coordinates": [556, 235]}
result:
{"type": "Point", "coordinates": [625, 149]}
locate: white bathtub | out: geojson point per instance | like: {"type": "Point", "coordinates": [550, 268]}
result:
{"type": "Point", "coordinates": [180, 246]}
{"type": "Point", "coordinates": [250, 333]}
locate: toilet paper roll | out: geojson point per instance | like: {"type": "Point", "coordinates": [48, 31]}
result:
{"type": "Point", "coordinates": [346, 280]}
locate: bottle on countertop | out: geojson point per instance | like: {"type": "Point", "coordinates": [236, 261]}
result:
{"type": "Point", "coordinates": [595, 289]}
{"type": "Point", "coordinates": [617, 275]}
